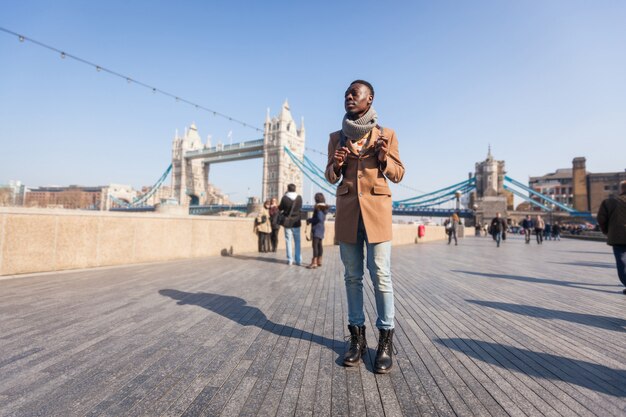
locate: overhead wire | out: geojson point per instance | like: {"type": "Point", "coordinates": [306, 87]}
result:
{"type": "Point", "coordinates": [128, 79]}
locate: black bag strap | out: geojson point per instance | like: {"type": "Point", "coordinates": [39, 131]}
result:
{"type": "Point", "coordinates": [291, 209]}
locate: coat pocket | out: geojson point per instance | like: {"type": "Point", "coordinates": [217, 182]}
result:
{"type": "Point", "coordinates": [343, 190]}
{"type": "Point", "coordinates": [381, 190]}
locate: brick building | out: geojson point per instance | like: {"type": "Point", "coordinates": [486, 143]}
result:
{"type": "Point", "coordinates": [72, 197]}
{"type": "Point", "coordinates": [577, 188]}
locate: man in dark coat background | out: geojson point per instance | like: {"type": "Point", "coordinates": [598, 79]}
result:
{"type": "Point", "coordinates": [612, 221]}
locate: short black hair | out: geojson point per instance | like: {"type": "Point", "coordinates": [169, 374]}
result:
{"type": "Point", "coordinates": [365, 83]}
{"type": "Point", "coordinates": [291, 188]}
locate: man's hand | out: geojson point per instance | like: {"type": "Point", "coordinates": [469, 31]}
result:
{"type": "Point", "coordinates": [382, 148]}
{"type": "Point", "coordinates": [340, 157]}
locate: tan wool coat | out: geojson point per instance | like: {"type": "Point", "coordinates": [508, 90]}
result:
{"type": "Point", "coordinates": [364, 188]}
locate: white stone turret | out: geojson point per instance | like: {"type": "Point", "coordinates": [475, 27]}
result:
{"type": "Point", "coordinates": [189, 178]}
{"type": "Point", "coordinates": [278, 168]}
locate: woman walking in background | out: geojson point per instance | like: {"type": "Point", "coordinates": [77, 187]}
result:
{"type": "Point", "coordinates": [274, 223]}
{"type": "Point", "coordinates": [317, 229]}
{"type": "Point", "coordinates": [263, 227]}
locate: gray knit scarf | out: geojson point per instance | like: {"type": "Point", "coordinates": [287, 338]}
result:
{"type": "Point", "coordinates": [356, 129]}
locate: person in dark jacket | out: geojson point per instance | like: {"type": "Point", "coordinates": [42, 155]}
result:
{"type": "Point", "coordinates": [612, 221]}
{"type": "Point", "coordinates": [317, 229]}
{"type": "Point", "coordinates": [527, 225]}
{"type": "Point", "coordinates": [497, 227]}
{"type": "Point", "coordinates": [290, 206]}
{"type": "Point", "coordinates": [274, 223]}
{"type": "Point", "coordinates": [556, 231]}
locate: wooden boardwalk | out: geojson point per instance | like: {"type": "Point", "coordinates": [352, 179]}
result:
{"type": "Point", "coordinates": [521, 330]}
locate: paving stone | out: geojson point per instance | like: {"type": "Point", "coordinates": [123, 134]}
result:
{"type": "Point", "coordinates": [520, 330]}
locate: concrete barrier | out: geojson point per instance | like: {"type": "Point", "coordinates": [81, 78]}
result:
{"type": "Point", "coordinates": [42, 240]}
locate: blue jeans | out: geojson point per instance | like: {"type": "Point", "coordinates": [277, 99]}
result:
{"type": "Point", "coordinates": [620, 261]}
{"type": "Point", "coordinates": [498, 237]}
{"type": "Point", "coordinates": [379, 266]}
{"type": "Point", "coordinates": [293, 233]}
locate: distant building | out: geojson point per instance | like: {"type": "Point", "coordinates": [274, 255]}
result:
{"type": "Point", "coordinates": [12, 194]}
{"type": "Point", "coordinates": [556, 185]}
{"type": "Point", "coordinates": [72, 197]}
{"type": "Point", "coordinates": [577, 188]}
{"type": "Point", "coordinates": [117, 192]}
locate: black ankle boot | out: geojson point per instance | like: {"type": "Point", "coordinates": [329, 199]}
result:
{"type": "Point", "coordinates": [384, 362]}
{"type": "Point", "coordinates": [357, 346]}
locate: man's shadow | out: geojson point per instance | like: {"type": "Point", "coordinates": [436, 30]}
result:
{"type": "Point", "coordinates": [238, 310]}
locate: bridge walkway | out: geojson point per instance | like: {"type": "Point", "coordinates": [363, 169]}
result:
{"type": "Point", "coordinates": [520, 330]}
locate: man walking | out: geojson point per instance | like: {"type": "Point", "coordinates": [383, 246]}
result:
{"type": "Point", "coordinates": [556, 231]}
{"type": "Point", "coordinates": [527, 225]}
{"type": "Point", "coordinates": [364, 156]}
{"type": "Point", "coordinates": [612, 221]}
{"type": "Point", "coordinates": [539, 226]}
{"type": "Point", "coordinates": [290, 206]}
{"type": "Point", "coordinates": [498, 227]}
{"type": "Point", "coordinates": [453, 225]}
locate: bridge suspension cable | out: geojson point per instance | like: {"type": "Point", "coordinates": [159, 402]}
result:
{"type": "Point", "coordinates": [316, 175]}
{"type": "Point", "coordinates": [129, 80]}
{"type": "Point", "coordinates": [526, 198]}
{"type": "Point", "coordinates": [397, 185]}
{"type": "Point", "coordinates": [541, 196]}
{"type": "Point", "coordinates": [138, 202]}
{"type": "Point", "coordinates": [311, 174]}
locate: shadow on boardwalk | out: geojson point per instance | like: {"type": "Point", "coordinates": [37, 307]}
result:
{"type": "Point", "coordinates": [571, 284]}
{"type": "Point", "coordinates": [608, 265]}
{"type": "Point", "coordinates": [237, 310]}
{"type": "Point", "coordinates": [589, 375]}
{"type": "Point", "coordinates": [602, 322]}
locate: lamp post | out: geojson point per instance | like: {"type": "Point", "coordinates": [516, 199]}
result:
{"type": "Point", "coordinates": [458, 200]}
{"type": "Point", "coordinates": [551, 207]}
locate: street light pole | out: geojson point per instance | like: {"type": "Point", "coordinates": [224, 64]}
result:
{"type": "Point", "coordinates": [551, 206]}
{"type": "Point", "coordinates": [476, 228]}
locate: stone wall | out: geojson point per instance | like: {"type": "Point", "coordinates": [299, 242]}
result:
{"type": "Point", "coordinates": [40, 240]}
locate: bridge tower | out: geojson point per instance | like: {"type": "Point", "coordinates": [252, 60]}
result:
{"type": "Point", "coordinates": [491, 197]}
{"type": "Point", "coordinates": [278, 169]}
{"type": "Point", "coordinates": [190, 177]}
{"type": "Point", "coordinates": [579, 184]}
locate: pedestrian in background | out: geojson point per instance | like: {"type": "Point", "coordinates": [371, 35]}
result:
{"type": "Point", "coordinates": [452, 226]}
{"type": "Point", "coordinates": [527, 225]}
{"type": "Point", "coordinates": [318, 229]}
{"type": "Point", "coordinates": [497, 228]}
{"type": "Point", "coordinates": [547, 232]}
{"type": "Point", "coordinates": [290, 207]}
{"type": "Point", "coordinates": [556, 231]}
{"type": "Point", "coordinates": [539, 226]}
{"type": "Point", "coordinates": [263, 227]}
{"type": "Point", "coordinates": [274, 222]}
{"type": "Point", "coordinates": [612, 222]}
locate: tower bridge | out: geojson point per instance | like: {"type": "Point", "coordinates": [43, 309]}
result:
{"type": "Point", "coordinates": [282, 147]}
{"type": "Point", "coordinates": [192, 160]}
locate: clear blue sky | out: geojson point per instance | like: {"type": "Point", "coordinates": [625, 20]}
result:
{"type": "Point", "coordinates": [541, 81]}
